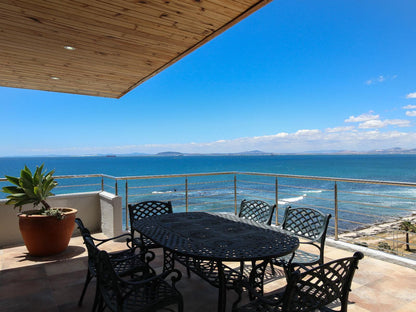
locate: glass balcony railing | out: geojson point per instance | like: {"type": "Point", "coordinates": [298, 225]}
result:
{"type": "Point", "coordinates": [364, 212]}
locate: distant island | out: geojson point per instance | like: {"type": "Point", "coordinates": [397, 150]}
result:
{"type": "Point", "coordinates": [388, 151]}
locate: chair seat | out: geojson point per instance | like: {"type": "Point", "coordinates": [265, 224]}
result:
{"type": "Point", "coordinates": [315, 289]}
{"type": "Point", "coordinates": [208, 270]}
{"type": "Point", "coordinates": [149, 244]}
{"type": "Point", "coordinates": [150, 297]}
{"type": "Point", "coordinates": [126, 262]}
{"type": "Point", "coordinates": [135, 294]}
{"type": "Point", "coordinates": [301, 257]}
{"type": "Point", "coordinates": [259, 305]}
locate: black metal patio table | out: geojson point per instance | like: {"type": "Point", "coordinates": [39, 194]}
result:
{"type": "Point", "coordinates": [218, 237]}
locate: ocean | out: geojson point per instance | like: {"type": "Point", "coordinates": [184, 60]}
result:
{"type": "Point", "coordinates": [373, 167]}
{"type": "Point", "coordinates": [369, 167]}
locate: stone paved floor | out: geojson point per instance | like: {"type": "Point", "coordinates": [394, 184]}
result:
{"type": "Point", "coordinates": [42, 284]}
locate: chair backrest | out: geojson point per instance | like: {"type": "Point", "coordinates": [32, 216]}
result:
{"type": "Point", "coordinates": [321, 286]}
{"type": "Point", "coordinates": [89, 243]}
{"type": "Point", "coordinates": [83, 230]}
{"type": "Point", "coordinates": [308, 223]}
{"type": "Point", "coordinates": [108, 283]}
{"type": "Point", "coordinates": [256, 210]}
{"type": "Point", "coordinates": [147, 209]}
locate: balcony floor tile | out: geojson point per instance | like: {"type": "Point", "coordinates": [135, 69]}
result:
{"type": "Point", "coordinates": [55, 283]}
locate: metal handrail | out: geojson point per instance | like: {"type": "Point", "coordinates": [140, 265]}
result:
{"type": "Point", "coordinates": [237, 186]}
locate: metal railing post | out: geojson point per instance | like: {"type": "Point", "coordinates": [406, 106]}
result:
{"type": "Point", "coordinates": [116, 188]}
{"type": "Point", "coordinates": [102, 184]}
{"type": "Point", "coordinates": [235, 194]}
{"type": "Point", "coordinates": [336, 209]}
{"type": "Point", "coordinates": [277, 201]}
{"type": "Point", "coordinates": [186, 194]}
{"type": "Point", "coordinates": [127, 204]}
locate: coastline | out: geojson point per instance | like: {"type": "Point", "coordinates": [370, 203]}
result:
{"type": "Point", "coordinates": [385, 236]}
{"type": "Point", "coordinates": [379, 228]}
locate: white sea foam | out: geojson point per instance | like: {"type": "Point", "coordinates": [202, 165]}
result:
{"type": "Point", "coordinates": [314, 191]}
{"type": "Point", "coordinates": [158, 192]}
{"type": "Point", "coordinates": [291, 199]}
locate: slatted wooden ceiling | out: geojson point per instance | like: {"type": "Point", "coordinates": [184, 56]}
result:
{"type": "Point", "coordinates": [118, 43]}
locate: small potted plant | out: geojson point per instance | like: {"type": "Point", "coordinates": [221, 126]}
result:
{"type": "Point", "coordinates": [46, 231]}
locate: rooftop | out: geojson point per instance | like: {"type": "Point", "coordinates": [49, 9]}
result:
{"type": "Point", "coordinates": [46, 284]}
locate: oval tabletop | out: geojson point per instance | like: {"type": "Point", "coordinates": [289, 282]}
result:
{"type": "Point", "coordinates": [217, 236]}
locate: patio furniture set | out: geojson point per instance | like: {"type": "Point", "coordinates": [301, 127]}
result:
{"type": "Point", "coordinates": [204, 242]}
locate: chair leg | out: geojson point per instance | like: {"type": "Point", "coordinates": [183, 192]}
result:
{"type": "Point", "coordinates": [272, 267]}
{"type": "Point", "coordinates": [87, 281]}
{"type": "Point", "coordinates": [97, 300]}
{"type": "Point", "coordinates": [188, 271]}
{"type": "Point", "coordinates": [180, 306]}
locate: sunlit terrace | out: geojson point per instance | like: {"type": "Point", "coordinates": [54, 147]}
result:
{"type": "Point", "coordinates": [107, 48]}
{"type": "Point", "coordinates": [385, 280]}
{"type": "Point", "coordinates": [55, 284]}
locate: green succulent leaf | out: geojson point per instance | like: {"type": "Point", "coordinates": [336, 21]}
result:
{"type": "Point", "coordinates": [12, 189]}
{"type": "Point", "coordinates": [30, 188]}
{"type": "Point", "coordinates": [14, 180]}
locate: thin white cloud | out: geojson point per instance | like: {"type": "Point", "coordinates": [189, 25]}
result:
{"type": "Point", "coordinates": [377, 124]}
{"type": "Point", "coordinates": [411, 95]}
{"type": "Point", "coordinates": [362, 118]}
{"type": "Point", "coordinates": [369, 134]}
{"type": "Point", "coordinates": [409, 107]}
{"type": "Point", "coordinates": [306, 132]}
{"type": "Point", "coordinates": [380, 79]}
{"type": "Point", "coordinates": [411, 113]}
{"type": "Point", "coordinates": [369, 82]}
{"type": "Point", "coordinates": [339, 129]}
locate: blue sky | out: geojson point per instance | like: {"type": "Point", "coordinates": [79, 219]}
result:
{"type": "Point", "coordinates": [295, 76]}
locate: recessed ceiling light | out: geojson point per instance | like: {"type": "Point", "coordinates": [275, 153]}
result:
{"type": "Point", "coordinates": [70, 48]}
{"type": "Point", "coordinates": [55, 78]}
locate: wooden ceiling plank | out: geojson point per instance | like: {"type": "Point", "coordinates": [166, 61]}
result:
{"type": "Point", "coordinates": [174, 13]}
{"type": "Point", "coordinates": [79, 55]}
{"type": "Point", "coordinates": [97, 27]}
{"type": "Point", "coordinates": [72, 67]}
{"type": "Point", "coordinates": [112, 46]}
{"type": "Point", "coordinates": [116, 11]}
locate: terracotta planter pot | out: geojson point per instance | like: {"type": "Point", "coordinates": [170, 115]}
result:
{"type": "Point", "coordinates": [46, 235]}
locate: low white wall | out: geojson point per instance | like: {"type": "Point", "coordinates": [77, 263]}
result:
{"type": "Point", "coordinates": [91, 206]}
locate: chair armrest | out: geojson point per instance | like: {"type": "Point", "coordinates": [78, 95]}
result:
{"type": "Point", "coordinates": [177, 275]}
{"type": "Point", "coordinates": [105, 240]}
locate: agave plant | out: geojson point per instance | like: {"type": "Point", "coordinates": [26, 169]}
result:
{"type": "Point", "coordinates": [32, 188]}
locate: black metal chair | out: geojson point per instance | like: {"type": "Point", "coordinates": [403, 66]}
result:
{"type": "Point", "coordinates": [146, 209]}
{"type": "Point", "coordinates": [256, 210]}
{"type": "Point", "coordinates": [125, 262]}
{"type": "Point", "coordinates": [320, 288]}
{"type": "Point", "coordinates": [149, 294]}
{"type": "Point", "coordinates": [310, 225]}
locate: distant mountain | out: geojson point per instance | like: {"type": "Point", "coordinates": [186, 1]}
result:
{"type": "Point", "coordinates": [394, 150]}
{"type": "Point", "coordinates": [254, 152]}
{"type": "Point", "coordinates": [169, 154]}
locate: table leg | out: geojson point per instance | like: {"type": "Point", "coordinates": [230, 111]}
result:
{"type": "Point", "coordinates": [222, 289]}
{"type": "Point", "coordinates": [256, 278]}
{"type": "Point", "coordinates": [168, 260]}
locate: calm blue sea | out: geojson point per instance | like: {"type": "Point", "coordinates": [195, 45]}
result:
{"type": "Point", "coordinates": [373, 167]}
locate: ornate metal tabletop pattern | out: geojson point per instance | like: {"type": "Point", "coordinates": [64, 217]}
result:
{"type": "Point", "coordinates": [213, 236]}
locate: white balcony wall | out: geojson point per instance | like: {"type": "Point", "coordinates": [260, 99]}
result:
{"type": "Point", "coordinates": [100, 211]}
